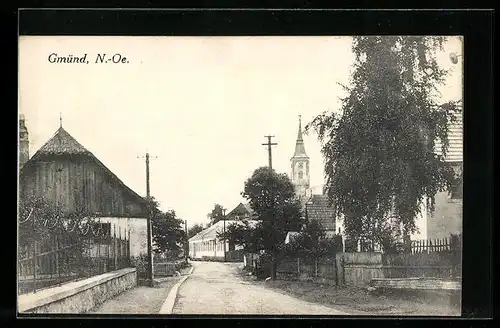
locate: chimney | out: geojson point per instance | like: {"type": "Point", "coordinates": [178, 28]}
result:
{"type": "Point", "coordinates": [24, 153]}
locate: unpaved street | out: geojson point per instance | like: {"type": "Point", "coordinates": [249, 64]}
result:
{"type": "Point", "coordinates": [216, 288]}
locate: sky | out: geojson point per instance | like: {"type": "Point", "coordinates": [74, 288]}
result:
{"type": "Point", "coordinates": [200, 106]}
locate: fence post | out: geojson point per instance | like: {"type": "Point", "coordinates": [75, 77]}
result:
{"type": "Point", "coordinates": [34, 266]}
{"type": "Point", "coordinates": [58, 272]}
{"type": "Point", "coordinates": [298, 265]}
{"type": "Point", "coordinates": [120, 246]}
{"type": "Point", "coordinates": [339, 268]}
{"type": "Point", "coordinates": [108, 248]}
{"type": "Point", "coordinates": [128, 247]}
{"type": "Point", "coordinates": [115, 248]}
{"type": "Point", "coordinates": [316, 267]}
{"type": "Point", "coordinates": [98, 255]}
{"type": "Point", "coordinates": [19, 270]}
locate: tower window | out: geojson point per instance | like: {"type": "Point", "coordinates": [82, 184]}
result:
{"type": "Point", "coordinates": [301, 175]}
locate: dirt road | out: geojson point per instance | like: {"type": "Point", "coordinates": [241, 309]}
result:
{"type": "Point", "coordinates": [217, 288]}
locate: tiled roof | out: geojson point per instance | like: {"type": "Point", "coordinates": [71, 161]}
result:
{"type": "Point", "coordinates": [242, 210]}
{"type": "Point", "coordinates": [455, 138]}
{"type": "Point", "coordinates": [211, 232]}
{"type": "Point", "coordinates": [62, 143]}
{"type": "Point", "coordinates": [318, 208]}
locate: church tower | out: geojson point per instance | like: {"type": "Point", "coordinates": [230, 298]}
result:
{"type": "Point", "coordinates": [24, 143]}
{"type": "Point", "coordinates": [300, 167]}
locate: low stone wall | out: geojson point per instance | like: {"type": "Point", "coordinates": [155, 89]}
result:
{"type": "Point", "coordinates": [78, 296]}
{"type": "Point", "coordinates": [417, 283]}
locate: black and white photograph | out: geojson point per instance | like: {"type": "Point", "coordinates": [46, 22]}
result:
{"type": "Point", "coordinates": [240, 175]}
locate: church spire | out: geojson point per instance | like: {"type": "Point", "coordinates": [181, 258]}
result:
{"type": "Point", "coordinates": [300, 167]}
{"type": "Point", "coordinates": [300, 150]}
{"type": "Point", "coordinates": [299, 134]}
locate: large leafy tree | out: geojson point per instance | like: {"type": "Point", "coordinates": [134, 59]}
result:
{"type": "Point", "coordinates": [169, 236]}
{"type": "Point", "coordinates": [380, 164]}
{"type": "Point", "coordinates": [216, 214]}
{"type": "Point", "coordinates": [243, 234]}
{"type": "Point", "coordinates": [272, 197]}
{"type": "Point", "coordinates": [195, 229]}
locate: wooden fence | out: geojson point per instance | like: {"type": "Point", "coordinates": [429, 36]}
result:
{"type": "Point", "coordinates": [431, 259]}
{"type": "Point", "coordinates": [450, 244]}
{"type": "Point", "coordinates": [322, 269]}
{"type": "Point", "coordinates": [53, 261]}
{"type": "Point", "coordinates": [234, 256]}
{"type": "Point", "coordinates": [168, 269]}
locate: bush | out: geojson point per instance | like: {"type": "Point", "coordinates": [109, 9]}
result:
{"type": "Point", "coordinates": [300, 247]}
{"type": "Point", "coordinates": [141, 264]}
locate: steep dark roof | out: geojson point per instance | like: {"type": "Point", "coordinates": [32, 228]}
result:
{"type": "Point", "coordinates": [62, 143]}
{"type": "Point", "coordinates": [241, 210]}
{"type": "Point", "coordinates": [318, 208]}
{"type": "Point", "coordinates": [210, 233]}
{"type": "Point", "coordinates": [300, 150]}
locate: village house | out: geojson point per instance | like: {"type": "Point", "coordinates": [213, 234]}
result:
{"type": "Point", "coordinates": [242, 211]}
{"type": "Point", "coordinates": [206, 245]}
{"type": "Point", "coordinates": [66, 174]}
{"type": "Point", "coordinates": [446, 218]}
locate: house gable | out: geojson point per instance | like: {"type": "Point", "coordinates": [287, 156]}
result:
{"type": "Point", "coordinates": [63, 172]}
{"type": "Point", "coordinates": [319, 209]}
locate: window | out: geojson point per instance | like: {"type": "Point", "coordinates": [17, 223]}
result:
{"type": "Point", "coordinates": [301, 175]}
{"type": "Point", "coordinates": [456, 188]}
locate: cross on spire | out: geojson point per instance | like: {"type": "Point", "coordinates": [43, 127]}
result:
{"type": "Point", "coordinates": [60, 120]}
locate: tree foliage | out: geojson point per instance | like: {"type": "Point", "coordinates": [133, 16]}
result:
{"type": "Point", "coordinates": [380, 163]}
{"type": "Point", "coordinates": [217, 214]}
{"type": "Point", "coordinates": [168, 231]}
{"type": "Point", "coordinates": [272, 197]}
{"type": "Point", "coordinates": [195, 229]}
{"type": "Point", "coordinates": [311, 242]}
{"type": "Point", "coordinates": [243, 234]}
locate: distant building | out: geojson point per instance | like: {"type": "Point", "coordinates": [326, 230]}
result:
{"type": "Point", "coordinates": [300, 168]}
{"type": "Point", "coordinates": [66, 174]}
{"type": "Point", "coordinates": [206, 246]}
{"type": "Point", "coordinates": [241, 212]}
{"type": "Point", "coordinates": [446, 218]}
{"type": "Point", "coordinates": [318, 209]}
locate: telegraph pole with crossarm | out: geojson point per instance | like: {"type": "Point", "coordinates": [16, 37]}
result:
{"type": "Point", "coordinates": [269, 149]}
{"type": "Point", "coordinates": [149, 232]}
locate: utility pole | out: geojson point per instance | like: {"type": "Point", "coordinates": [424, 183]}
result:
{"type": "Point", "coordinates": [186, 246]}
{"type": "Point", "coordinates": [269, 144]}
{"type": "Point", "coordinates": [225, 240]}
{"type": "Point", "coordinates": [150, 271]}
